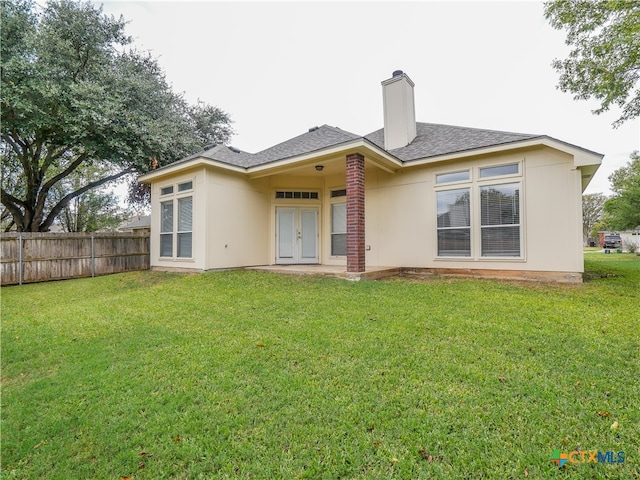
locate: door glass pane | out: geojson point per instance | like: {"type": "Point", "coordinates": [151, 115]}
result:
{"type": "Point", "coordinates": [286, 234]}
{"type": "Point", "coordinates": [309, 234]}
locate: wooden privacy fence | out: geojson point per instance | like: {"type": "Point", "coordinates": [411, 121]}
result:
{"type": "Point", "coordinates": [41, 257]}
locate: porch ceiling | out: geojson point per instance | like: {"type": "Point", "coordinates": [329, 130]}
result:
{"type": "Point", "coordinates": [331, 165]}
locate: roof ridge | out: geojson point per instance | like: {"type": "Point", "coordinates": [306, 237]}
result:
{"type": "Point", "coordinates": [478, 129]}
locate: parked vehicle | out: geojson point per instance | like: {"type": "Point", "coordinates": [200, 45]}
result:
{"type": "Point", "coordinates": [612, 241]}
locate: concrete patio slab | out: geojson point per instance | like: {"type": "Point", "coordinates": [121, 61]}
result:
{"type": "Point", "coordinates": [371, 273]}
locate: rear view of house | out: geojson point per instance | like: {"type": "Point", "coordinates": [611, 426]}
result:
{"type": "Point", "coordinates": [422, 196]}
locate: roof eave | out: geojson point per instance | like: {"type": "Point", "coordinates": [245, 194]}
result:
{"type": "Point", "coordinates": [374, 154]}
{"type": "Point", "coordinates": [185, 165]}
{"type": "Point", "coordinates": [580, 155]}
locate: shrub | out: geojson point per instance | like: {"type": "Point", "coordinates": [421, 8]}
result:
{"type": "Point", "coordinates": [630, 246]}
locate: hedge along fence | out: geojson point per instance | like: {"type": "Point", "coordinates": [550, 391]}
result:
{"type": "Point", "coordinates": [42, 257]}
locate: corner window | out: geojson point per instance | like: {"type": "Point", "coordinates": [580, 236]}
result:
{"type": "Point", "coordinates": [454, 223]}
{"type": "Point", "coordinates": [176, 222]}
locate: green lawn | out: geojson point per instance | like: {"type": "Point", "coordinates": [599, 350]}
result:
{"type": "Point", "coordinates": [254, 375]}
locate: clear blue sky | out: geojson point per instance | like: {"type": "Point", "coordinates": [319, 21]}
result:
{"type": "Point", "coordinates": [281, 68]}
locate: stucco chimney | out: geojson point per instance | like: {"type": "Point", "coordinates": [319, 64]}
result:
{"type": "Point", "coordinates": [399, 111]}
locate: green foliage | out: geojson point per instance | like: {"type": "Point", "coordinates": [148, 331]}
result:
{"type": "Point", "coordinates": [93, 211]}
{"type": "Point", "coordinates": [74, 94]}
{"type": "Point", "coordinates": [96, 209]}
{"type": "Point", "coordinates": [630, 246]}
{"type": "Point", "coordinates": [623, 208]}
{"type": "Point", "coordinates": [592, 210]}
{"type": "Point", "coordinates": [244, 374]}
{"type": "Point", "coordinates": [605, 60]}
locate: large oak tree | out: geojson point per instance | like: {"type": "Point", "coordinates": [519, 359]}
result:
{"type": "Point", "coordinates": [75, 94]}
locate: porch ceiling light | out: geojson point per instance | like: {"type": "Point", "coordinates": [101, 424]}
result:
{"type": "Point", "coordinates": [319, 168]}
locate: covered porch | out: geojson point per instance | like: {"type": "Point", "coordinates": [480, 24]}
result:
{"type": "Point", "coordinates": [306, 234]}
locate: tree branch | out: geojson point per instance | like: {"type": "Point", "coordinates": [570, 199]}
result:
{"type": "Point", "coordinates": [16, 148]}
{"type": "Point", "coordinates": [12, 204]}
{"type": "Point", "coordinates": [52, 155]}
{"type": "Point", "coordinates": [55, 211]}
{"type": "Point", "coordinates": [44, 189]}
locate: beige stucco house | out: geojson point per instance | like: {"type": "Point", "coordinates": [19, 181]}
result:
{"type": "Point", "coordinates": [419, 196]}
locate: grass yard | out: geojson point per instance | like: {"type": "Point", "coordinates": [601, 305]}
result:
{"type": "Point", "coordinates": [254, 375]}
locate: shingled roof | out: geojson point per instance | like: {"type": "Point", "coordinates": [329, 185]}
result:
{"type": "Point", "coordinates": [432, 140]}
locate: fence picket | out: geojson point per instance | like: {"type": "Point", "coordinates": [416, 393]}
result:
{"type": "Point", "coordinates": [40, 257]}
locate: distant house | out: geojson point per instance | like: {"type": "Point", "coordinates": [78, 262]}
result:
{"type": "Point", "coordinates": [139, 223]}
{"type": "Point", "coordinates": [431, 197]}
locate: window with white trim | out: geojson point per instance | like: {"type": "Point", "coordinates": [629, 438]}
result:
{"type": "Point", "coordinates": [185, 226]}
{"type": "Point", "coordinates": [450, 177]}
{"type": "Point", "coordinates": [166, 229]}
{"type": "Point", "coordinates": [500, 220]}
{"type": "Point", "coordinates": [454, 223]}
{"type": "Point", "coordinates": [176, 221]}
{"type": "Point", "coordinates": [480, 218]}
{"type": "Point", "coordinates": [338, 223]}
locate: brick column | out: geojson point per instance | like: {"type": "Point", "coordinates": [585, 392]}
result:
{"type": "Point", "coordinates": [355, 213]}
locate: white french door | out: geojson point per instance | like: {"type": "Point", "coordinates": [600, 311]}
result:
{"type": "Point", "coordinates": [296, 235]}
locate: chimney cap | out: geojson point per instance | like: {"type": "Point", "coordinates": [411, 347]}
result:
{"type": "Point", "coordinates": [397, 73]}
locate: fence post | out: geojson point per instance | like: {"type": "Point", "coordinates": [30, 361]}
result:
{"type": "Point", "coordinates": [20, 258]}
{"type": "Point", "coordinates": [93, 258]}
